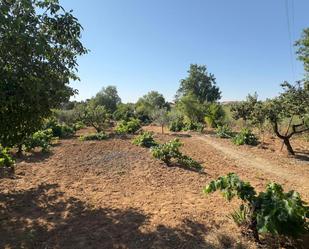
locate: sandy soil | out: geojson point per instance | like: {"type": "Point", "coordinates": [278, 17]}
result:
{"type": "Point", "coordinates": [112, 194]}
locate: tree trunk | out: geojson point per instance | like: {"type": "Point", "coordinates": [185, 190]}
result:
{"type": "Point", "coordinates": [20, 150]}
{"type": "Point", "coordinates": [287, 143]}
{"type": "Point", "coordinates": [162, 129]}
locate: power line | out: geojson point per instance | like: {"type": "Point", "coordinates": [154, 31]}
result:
{"type": "Point", "coordinates": [290, 34]}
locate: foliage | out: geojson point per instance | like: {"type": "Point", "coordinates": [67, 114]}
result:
{"type": "Point", "coordinates": [145, 140]}
{"type": "Point", "coordinates": [200, 84]}
{"type": "Point", "coordinates": [303, 49]}
{"type": "Point", "coordinates": [292, 104]}
{"type": "Point", "coordinates": [193, 126]}
{"type": "Point", "coordinates": [245, 137]}
{"type": "Point", "coordinates": [224, 131]}
{"type": "Point", "coordinates": [6, 161]}
{"type": "Point", "coordinates": [39, 45]}
{"type": "Point", "coordinates": [191, 108]}
{"type": "Point", "coordinates": [243, 110]}
{"type": "Point", "coordinates": [68, 117]}
{"type": "Point", "coordinates": [107, 97]}
{"type": "Point", "coordinates": [128, 127]}
{"type": "Point", "coordinates": [124, 112]}
{"type": "Point", "coordinates": [272, 211]}
{"type": "Point", "coordinates": [176, 125]}
{"type": "Point", "coordinates": [78, 125]}
{"type": "Point", "coordinates": [94, 136]}
{"type": "Point", "coordinates": [41, 138]}
{"type": "Point", "coordinates": [214, 115]}
{"type": "Point", "coordinates": [160, 117]}
{"type": "Point", "coordinates": [176, 120]}
{"type": "Point", "coordinates": [147, 104]}
{"type": "Point", "coordinates": [59, 130]}
{"type": "Point", "coordinates": [167, 151]}
{"type": "Point", "coordinates": [94, 115]}
{"type": "Point", "coordinates": [170, 150]}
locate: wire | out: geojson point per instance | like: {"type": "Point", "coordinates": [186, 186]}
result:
{"type": "Point", "coordinates": [290, 34]}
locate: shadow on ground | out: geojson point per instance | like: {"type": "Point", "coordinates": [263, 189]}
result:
{"type": "Point", "coordinates": [43, 217]}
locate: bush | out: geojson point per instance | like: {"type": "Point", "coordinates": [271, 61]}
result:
{"type": "Point", "coordinates": [5, 159]}
{"type": "Point", "coordinates": [272, 211]}
{"type": "Point", "coordinates": [224, 131]}
{"type": "Point", "coordinates": [95, 136]}
{"type": "Point", "coordinates": [193, 126]}
{"type": "Point", "coordinates": [58, 130]}
{"type": "Point", "coordinates": [41, 139]}
{"type": "Point", "coordinates": [245, 137]}
{"type": "Point", "coordinates": [167, 151]}
{"type": "Point", "coordinates": [145, 140]}
{"type": "Point", "coordinates": [128, 127]}
{"type": "Point", "coordinates": [176, 125]}
{"type": "Point", "coordinates": [78, 125]}
{"type": "Point", "coordinates": [170, 150]}
{"type": "Point", "coordinates": [214, 115]}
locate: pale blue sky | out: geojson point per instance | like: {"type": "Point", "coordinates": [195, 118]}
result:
{"type": "Point", "coordinates": [143, 45]}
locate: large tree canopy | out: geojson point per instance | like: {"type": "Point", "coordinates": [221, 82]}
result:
{"type": "Point", "coordinates": [39, 45]}
{"type": "Point", "coordinates": [108, 97]}
{"type": "Point", "coordinates": [200, 84]}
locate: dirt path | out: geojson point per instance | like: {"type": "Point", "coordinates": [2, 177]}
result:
{"type": "Point", "coordinates": [245, 160]}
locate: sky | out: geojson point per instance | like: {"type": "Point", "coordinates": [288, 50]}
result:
{"type": "Point", "coordinates": [144, 45]}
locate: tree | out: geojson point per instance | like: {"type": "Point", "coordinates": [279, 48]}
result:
{"type": "Point", "coordinates": [149, 103]}
{"type": "Point", "coordinates": [39, 45]}
{"type": "Point", "coordinates": [160, 117]}
{"type": "Point", "coordinates": [303, 49]}
{"type": "Point", "coordinates": [124, 112]}
{"type": "Point", "coordinates": [191, 108]}
{"type": "Point", "coordinates": [108, 97]}
{"type": "Point", "coordinates": [244, 109]}
{"type": "Point", "coordinates": [292, 104]}
{"type": "Point", "coordinates": [200, 84]}
{"type": "Point", "coordinates": [94, 115]}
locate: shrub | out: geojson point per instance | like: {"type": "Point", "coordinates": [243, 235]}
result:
{"type": "Point", "coordinates": [224, 131]}
{"type": "Point", "coordinates": [41, 139]}
{"type": "Point", "coordinates": [145, 140]}
{"type": "Point", "coordinates": [95, 136]}
{"type": "Point", "coordinates": [170, 150]}
{"type": "Point", "coordinates": [78, 125]}
{"type": "Point", "coordinates": [245, 137]}
{"type": "Point", "coordinates": [214, 115]}
{"type": "Point", "coordinates": [193, 126]}
{"type": "Point", "coordinates": [6, 161]}
{"type": "Point", "coordinates": [167, 151]}
{"type": "Point", "coordinates": [128, 127]}
{"type": "Point", "coordinates": [176, 125]}
{"type": "Point", "coordinates": [272, 211]}
{"type": "Point", "coordinates": [58, 130]}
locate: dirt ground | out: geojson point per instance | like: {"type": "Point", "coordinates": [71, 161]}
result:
{"type": "Point", "coordinates": [112, 194]}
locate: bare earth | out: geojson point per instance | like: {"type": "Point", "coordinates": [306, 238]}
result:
{"type": "Point", "coordinates": [112, 194]}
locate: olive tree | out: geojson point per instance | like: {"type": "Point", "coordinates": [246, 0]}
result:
{"type": "Point", "coordinates": [39, 45]}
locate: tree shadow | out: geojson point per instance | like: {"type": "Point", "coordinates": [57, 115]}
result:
{"type": "Point", "coordinates": [301, 156]}
{"type": "Point", "coordinates": [44, 217]}
{"type": "Point", "coordinates": [34, 156]}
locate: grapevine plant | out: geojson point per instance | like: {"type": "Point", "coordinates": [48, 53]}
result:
{"type": "Point", "coordinates": [273, 211]}
{"type": "Point", "coordinates": [6, 161]}
{"type": "Point", "coordinates": [170, 151]}
{"type": "Point", "coordinates": [145, 140]}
